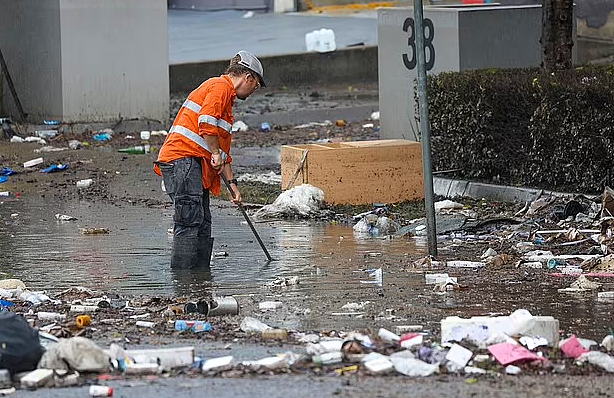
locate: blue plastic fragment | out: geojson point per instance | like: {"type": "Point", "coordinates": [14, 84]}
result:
{"type": "Point", "coordinates": [102, 137]}
{"type": "Point", "coordinates": [3, 179]}
{"type": "Point", "coordinates": [51, 122]}
{"type": "Point", "coordinates": [5, 171]}
{"type": "Point", "coordinates": [55, 167]}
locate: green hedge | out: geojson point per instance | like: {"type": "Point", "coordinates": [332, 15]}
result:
{"type": "Point", "coordinates": [524, 127]}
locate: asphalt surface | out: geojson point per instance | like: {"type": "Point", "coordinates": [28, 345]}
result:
{"type": "Point", "coordinates": [206, 36]}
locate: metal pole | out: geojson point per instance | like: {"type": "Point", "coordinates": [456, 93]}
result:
{"type": "Point", "coordinates": [425, 130]}
{"type": "Point", "coordinates": [249, 222]}
{"type": "Point", "coordinates": [9, 81]}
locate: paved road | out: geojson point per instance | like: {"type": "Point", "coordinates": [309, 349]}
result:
{"type": "Point", "coordinates": [206, 36]}
{"type": "Point", "coordinates": [549, 386]}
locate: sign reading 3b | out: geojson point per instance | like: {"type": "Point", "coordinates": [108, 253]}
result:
{"type": "Point", "coordinates": [410, 59]}
{"type": "Point", "coordinates": [455, 39]}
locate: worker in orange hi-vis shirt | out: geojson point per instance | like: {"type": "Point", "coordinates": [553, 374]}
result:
{"type": "Point", "coordinates": [195, 153]}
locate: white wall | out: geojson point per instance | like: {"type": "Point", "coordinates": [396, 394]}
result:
{"type": "Point", "coordinates": [30, 42]}
{"type": "Point", "coordinates": [87, 60]}
{"type": "Point", "coordinates": [115, 59]}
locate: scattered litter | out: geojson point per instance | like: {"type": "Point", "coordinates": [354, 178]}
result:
{"type": "Point", "coordinates": [507, 353]}
{"type": "Point", "coordinates": [84, 183]}
{"type": "Point", "coordinates": [488, 253]}
{"type": "Point", "coordinates": [388, 336]}
{"type": "Point", "coordinates": [265, 127]}
{"type": "Point", "coordinates": [314, 124]}
{"type": "Point", "coordinates": [5, 171]}
{"type": "Point", "coordinates": [240, 126]}
{"type": "Point", "coordinates": [46, 133]}
{"type": "Point", "coordinates": [377, 275]}
{"type": "Point", "coordinates": [101, 391]}
{"type": "Point", "coordinates": [435, 279]}
{"type": "Point", "coordinates": [304, 201]}
{"type": "Point", "coordinates": [38, 140]}
{"type": "Point", "coordinates": [355, 306]}
{"type": "Point", "coordinates": [447, 205]}
{"type": "Point", "coordinates": [47, 149]}
{"type": "Point", "coordinates": [321, 40]}
{"type": "Point", "coordinates": [193, 326]}
{"type": "Point", "coordinates": [581, 285]}
{"type": "Point", "coordinates": [400, 329]}
{"type": "Point", "coordinates": [458, 356]}
{"type": "Point", "coordinates": [411, 340]}
{"type": "Point", "coordinates": [55, 167]}
{"type": "Point", "coordinates": [251, 325]}
{"type": "Point", "coordinates": [249, 14]}
{"type": "Point", "coordinates": [269, 305]}
{"type": "Point", "coordinates": [600, 359]}
{"type": "Point", "coordinates": [64, 217]}
{"type": "Point", "coordinates": [375, 115]}
{"type": "Point", "coordinates": [375, 225]}
{"type": "Point", "coordinates": [275, 334]}
{"type": "Point", "coordinates": [413, 367]}
{"type": "Point", "coordinates": [465, 264]}
{"type": "Point", "coordinates": [270, 178]}
{"type": "Point", "coordinates": [379, 366]}
{"type": "Point", "coordinates": [76, 353]}
{"type": "Point", "coordinates": [33, 162]}
{"type": "Point", "coordinates": [608, 343]}
{"type": "Point", "coordinates": [512, 370]}
{"type": "Point", "coordinates": [572, 347]}
{"type": "Point", "coordinates": [282, 281]}
{"type": "Point", "coordinates": [94, 231]}
{"type": "Point", "coordinates": [533, 342]}
{"type": "Point", "coordinates": [217, 364]}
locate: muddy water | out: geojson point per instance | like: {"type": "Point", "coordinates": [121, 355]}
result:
{"type": "Point", "coordinates": [330, 260]}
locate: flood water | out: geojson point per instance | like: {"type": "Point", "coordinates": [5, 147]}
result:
{"type": "Point", "coordinates": [330, 261]}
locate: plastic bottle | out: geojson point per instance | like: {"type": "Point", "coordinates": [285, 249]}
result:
{"type": "Point", "coordinates": [556, 262]}
{"type": "Point", "coordinates": [195, 326]}
{"type": "Point", "coordinates": [84, 183]}
{"type": "Point", "coordinates": [328, 358]}
{"type": "Point", "coordinates": [327, 41]}
{"type": "Point", "coordinates": [101, 391]}
{"type": "Point", "coordinates": [136, 150]}
{"type": "Point", "coordinates": [51, 316]}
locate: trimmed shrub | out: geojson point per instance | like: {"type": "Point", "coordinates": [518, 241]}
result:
{"type": "Point", "coordinates": [524, 127]}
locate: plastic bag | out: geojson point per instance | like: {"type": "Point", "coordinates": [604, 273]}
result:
{"type": "Point", "coordinates": [304, 201]}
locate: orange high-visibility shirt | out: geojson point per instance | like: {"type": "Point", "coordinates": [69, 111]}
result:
{"type": "Point", "coordinates": [206, 111]}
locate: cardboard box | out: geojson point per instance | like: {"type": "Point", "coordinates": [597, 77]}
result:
{"type": "Point", "coordinates": [358, 172]}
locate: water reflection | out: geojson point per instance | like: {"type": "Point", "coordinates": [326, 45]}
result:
{"type": "Point", "coordinates": [329, 260]}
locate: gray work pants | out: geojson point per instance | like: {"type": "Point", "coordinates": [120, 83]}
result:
{"type": "Point", "coordinates": [184, 184]}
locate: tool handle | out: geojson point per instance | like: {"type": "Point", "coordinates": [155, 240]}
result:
{"type": "Point", "coordinates": [249, 222]}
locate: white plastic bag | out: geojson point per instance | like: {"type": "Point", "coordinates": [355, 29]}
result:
{"type": "Point", "coordinates": [304, 201]}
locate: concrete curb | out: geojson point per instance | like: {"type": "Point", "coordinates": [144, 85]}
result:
{"type": "Point", "coordinates": [350, 65]}
{"type": "Point", "coordinates": [477, 190]}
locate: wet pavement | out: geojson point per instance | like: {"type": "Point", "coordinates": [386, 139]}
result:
{"type": "Point", "coordinates": [330, 260]}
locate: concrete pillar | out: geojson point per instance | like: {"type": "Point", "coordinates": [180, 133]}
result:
{"type": "Point", "coordinates": [87, 60]}
{"type": "Point", "coordinates": [457, 39]}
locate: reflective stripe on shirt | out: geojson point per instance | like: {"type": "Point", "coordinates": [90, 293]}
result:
{"type": "Point", "coordinates": [208, 119]}
{"type": "Point", "coordinates": [191, 105]}
{"type": "Point", "coordinates": [194, 137]}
